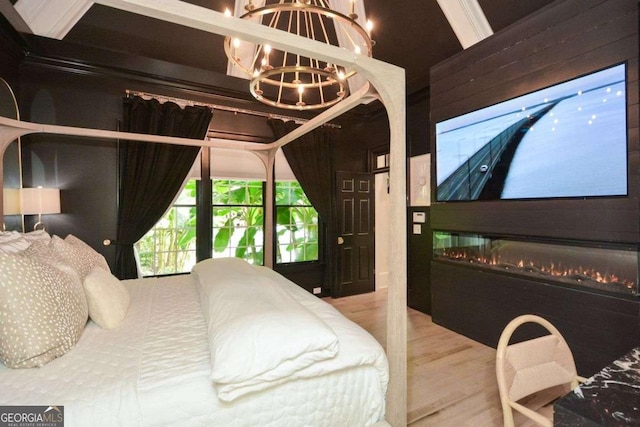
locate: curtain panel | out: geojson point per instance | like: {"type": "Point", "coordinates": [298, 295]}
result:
{"type": "Point", "coordinates": [151, 174]}
{"type": "Point", "coordinates": [311, 162]}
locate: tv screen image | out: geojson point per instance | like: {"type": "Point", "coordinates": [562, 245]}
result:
{"type": "Point", "coordinates": [567, 140]}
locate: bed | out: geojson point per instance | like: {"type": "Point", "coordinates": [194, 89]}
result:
{"type": "Point", "coordinates": [155, 367]}
{"type": "Point", "coordinates": [387, 85]}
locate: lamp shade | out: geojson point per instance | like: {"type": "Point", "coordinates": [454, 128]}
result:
{"type": "Point", "coordinates": [10, 201]}
{"type": "Point", "coordinates": [35, 201]}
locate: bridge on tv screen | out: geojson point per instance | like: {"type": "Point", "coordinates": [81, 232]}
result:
{"type": "Point", "coordinates": [483, 175]}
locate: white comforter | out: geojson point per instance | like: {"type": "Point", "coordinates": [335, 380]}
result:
{"type": "Point", "coordinates": [155, 370]}
{"type": "Point", "coordinates": [264, 330]}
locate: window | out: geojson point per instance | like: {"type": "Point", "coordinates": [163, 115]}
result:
{"type": "Point", "coordinates": [296, 224]}
{"type": "Point", "coordinates": [170, 246]}
{"type": "Point", "coordinates": [238, 220]}
{"type": "Point", "coordinates": [379, 159]}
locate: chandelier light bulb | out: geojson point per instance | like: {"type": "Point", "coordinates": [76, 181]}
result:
{"type": "Point", "coordinates": [369, 26]}
{"type": "Point", "coordinates": [352, 13]}
{"type": "Point", "coordinates": [300, 102]}
{"type": "Point", "coordinates": [236, 43]}
{"type": "Point", "coordinates": [267, 49]}
{"type": "Point", "coordinates": [227, 12]}
{"type": "Point", "coordinates": [358, 50]}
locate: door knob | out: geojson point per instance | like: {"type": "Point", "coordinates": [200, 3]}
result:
{"type": "Point", "coordinates": [340, 240]}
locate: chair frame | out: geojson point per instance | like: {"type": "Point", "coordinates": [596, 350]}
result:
{"type": "Point", "coordinates": [507, 404]}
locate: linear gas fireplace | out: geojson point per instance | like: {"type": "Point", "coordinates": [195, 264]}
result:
{"type": "Point", "coordinates": [610, 268]}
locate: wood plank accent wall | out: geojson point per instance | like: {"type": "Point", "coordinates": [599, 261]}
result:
{"type": "Point", "coordinates": [566, 39]}
{"type": "Point", "coordinates": [562, 41]}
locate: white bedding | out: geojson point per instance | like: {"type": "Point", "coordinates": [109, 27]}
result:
{"type": "Point", "coordinates": [155, 370]}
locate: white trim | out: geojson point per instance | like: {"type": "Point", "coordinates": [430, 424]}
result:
{"type": "Point", "coordinates": [467, 20]}
{"type": "Point", "coordinates": [52, 18]}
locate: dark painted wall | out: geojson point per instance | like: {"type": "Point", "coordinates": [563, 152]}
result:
{"type": "Point", "coordinates": [10, 54]}
{"type": "Point", "coordinates": [363, 132]}
{"type": "Point", "coordinates": [54, 91]}
{"type": "Point", "coordinates": [564, 40]}
{"type": "Point", "coordinates": [83, 168]}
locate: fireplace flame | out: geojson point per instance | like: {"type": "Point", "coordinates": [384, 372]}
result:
{"type": "Point", "coordinates": [578, 275]}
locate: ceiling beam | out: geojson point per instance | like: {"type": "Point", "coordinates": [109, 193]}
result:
{"type": "Point", "coordinates": [467, 20]}
{"type": "Point", "coordinates": [52, 19]}
{"type": "Point", "coordinates": [14, 18]}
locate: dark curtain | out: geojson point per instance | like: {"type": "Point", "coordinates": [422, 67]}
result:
{"type": "Point", "coordinates": [151, 174]}
{"type": "Point", "coordinates": [310, 159]}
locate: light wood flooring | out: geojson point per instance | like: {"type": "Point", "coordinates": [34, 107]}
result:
{"type": "Point", "coordinates": [451, 378]}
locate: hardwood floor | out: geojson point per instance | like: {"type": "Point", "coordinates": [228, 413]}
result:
{"type": "Point", "coordinates": [451, 378]}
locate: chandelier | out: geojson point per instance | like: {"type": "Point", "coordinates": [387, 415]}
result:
{"type": "Point", "coordinates": [291, 81]}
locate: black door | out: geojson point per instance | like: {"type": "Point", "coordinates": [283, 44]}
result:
{"type": "Point", "coordinates": [355, 233]}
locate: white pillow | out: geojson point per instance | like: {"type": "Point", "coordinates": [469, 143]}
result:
{"type": "Point", "coordinates": [32, 236]}
{"type": "Point", "coordinates": [107, 297]}
{"type": "Point", "coordinates": [13, 242]}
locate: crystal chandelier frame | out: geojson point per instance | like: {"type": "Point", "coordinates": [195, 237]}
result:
{"type": "Point", "coordinates": [295, 82]}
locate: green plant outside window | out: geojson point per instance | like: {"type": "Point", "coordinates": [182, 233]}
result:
{"type": "Point", "coordinates": [238, 227]}
{"type": "Point", "coordinates": [170, 246]}
{"type": "Point", "coordinates": [238, 220]}
{"type": "Point", "coordinates": [296, 224]}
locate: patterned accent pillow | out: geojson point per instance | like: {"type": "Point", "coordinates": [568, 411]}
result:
{"type": "Point", "coordinates": [83, 260]}
{"type": "Point", "coordinates": [40, 317]}
{"type": "Point", "coordinates": [108, 298]}
{"type": "Point", "coordinates": [13, 242]}
{"type": "Point", "coordinates": [43, 251]}
{"type": "Point", "coordinates": [99, 259]}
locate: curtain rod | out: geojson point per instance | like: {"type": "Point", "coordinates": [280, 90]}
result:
{"type": "Point", "coordinates": [183, 102]}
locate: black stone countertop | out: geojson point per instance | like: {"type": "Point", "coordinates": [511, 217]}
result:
{"type": "Point", "coordinates": [609, 398]}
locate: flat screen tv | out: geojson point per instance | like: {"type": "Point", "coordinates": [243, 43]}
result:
{"type": "Point", "coordinates": [565, 141]}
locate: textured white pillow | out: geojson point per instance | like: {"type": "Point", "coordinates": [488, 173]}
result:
{"type": "Point", "coordinates": [32, 236]}
{"type": "Point", "coordinates": [107, 297]}
{"type": "Point", "coordinates": [13, 242]}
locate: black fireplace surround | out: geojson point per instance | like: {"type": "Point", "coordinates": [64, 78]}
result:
{"type": "Point", "coordinates": [481, 282]}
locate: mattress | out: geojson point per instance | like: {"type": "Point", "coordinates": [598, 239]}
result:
{"type": "Point", "coordinates": [154, 370]}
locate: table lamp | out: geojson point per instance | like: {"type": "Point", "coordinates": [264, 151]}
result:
{"type": "Point", "coordinates": [39, 201]}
